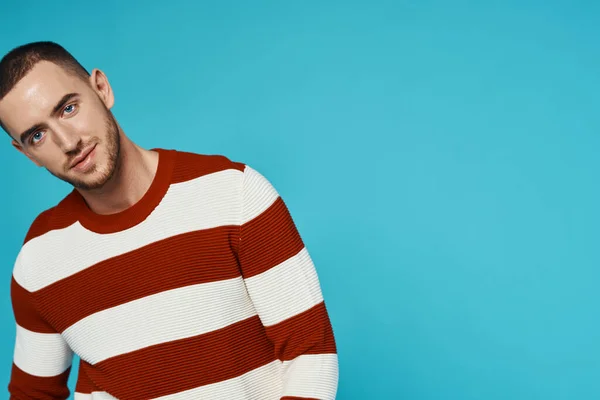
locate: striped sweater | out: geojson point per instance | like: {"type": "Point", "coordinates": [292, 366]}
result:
{"type": "Point", "coordinates": [203, 289]}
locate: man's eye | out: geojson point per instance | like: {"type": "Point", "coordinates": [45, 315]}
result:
{"type": "Point", "coordinates": [70, 108]}
{"type": "Point", "coordinates": [36, 137]}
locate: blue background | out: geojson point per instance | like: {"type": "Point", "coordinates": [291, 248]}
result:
{"type": "Point", "coordinates": [440, 160]}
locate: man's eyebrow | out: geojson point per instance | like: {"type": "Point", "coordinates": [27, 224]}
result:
{"type": "Point", "coordinates": [57, 108]}
{"type": "Point", "coordinates": [61, 104]}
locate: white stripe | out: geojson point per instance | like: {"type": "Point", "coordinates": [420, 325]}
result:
{"type": "Point", "coordinates": [286, 289]}
{"type": "Point", "coordinates": [263, 383]}
{"type": "Point", "coordinates": [94, 396]}
{"type": "Point", "coordinates": [312, 376]}
{"type": "Point", "coordinates": [209, 201]}
{"type": "Point", "coordinates": [258, 194]}
{"type": "Point", "coordinates": [166, 316]}
{"type": "Point", "coordinates": [41, 354]}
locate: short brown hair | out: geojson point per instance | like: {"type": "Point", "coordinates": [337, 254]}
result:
{"type": "Point", "coordinates": [20, 60]}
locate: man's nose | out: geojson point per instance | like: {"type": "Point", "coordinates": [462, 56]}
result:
{"type": "Point", "coordinates": [66, 139]}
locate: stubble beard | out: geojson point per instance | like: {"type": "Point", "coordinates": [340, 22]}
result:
{"type": "Point", "coordinates": [98, 176]}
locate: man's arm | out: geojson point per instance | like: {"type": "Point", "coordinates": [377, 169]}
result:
{"type": "Point", "coordinates": [283, 285]}
{"type": "Point", "coordinates": [42, 359]}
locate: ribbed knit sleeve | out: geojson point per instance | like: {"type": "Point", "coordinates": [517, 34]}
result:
{"type": "Point", "coordinates": [282, 282]}
{"type": "Point", "coordinates": [42, 359]}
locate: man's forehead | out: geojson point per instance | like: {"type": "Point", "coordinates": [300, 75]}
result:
{"type": "Point", "coordinates": [43, 81]}
{"type": "Point", "coordinates": [34, 96]}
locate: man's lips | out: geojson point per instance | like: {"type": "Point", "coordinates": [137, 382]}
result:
{"type": "Point", "coordinates": [82, 156]}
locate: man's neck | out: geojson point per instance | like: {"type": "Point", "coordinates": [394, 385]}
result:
{"type": "Point", "coordinates": [129, 183]}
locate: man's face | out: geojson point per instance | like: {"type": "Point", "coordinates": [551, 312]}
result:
{"type": "Point", "coordinates": [63, 123]}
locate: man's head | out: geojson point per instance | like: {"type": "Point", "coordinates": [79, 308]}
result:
{"type": "Point", "coordinates": [56, 112]}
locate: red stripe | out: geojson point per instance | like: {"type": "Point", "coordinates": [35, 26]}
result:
{"type": "Point", "coordinates": [268, 240]}
{"type": "Point", "coordinates": [184, 364]}
{"type": "Point", "coordinates": [57, 217]}
{"type": "Point", "coordinates": [84, 383]}
{"type": "Point", "coordinates": [39, 226]}
{"type": "Point", "coordinates": [297, 398]}
{"type": "Point", "coordinates": [191, 165]}
{"type": "Point", "coordinates": [309, 332]}
{"type": "Point", "coordinates": [187, 259]}
{"type": "Point", "coordinates": [24, 309]}
{"type": "Point", "coordinates": [24, 386]}
{"type": "Point", "coordinates": [50, 219]}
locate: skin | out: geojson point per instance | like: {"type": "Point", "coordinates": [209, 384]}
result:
{"type": "Point", "coordinates": [120, 171]}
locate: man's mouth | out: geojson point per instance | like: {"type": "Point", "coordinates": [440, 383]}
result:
{"type": "Point", "coordinates": [81, 157]}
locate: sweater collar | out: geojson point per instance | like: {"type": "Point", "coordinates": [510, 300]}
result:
{"type": "Point", "coordinates": [138, 212]}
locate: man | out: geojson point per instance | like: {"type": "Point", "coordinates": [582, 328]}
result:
{"type": "Point", "coordinates": [170, 274]}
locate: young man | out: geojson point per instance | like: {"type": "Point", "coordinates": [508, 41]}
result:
{"type": "Point", "coordinates": [170, 274]}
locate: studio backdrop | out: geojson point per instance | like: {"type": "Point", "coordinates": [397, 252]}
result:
{"type": "Point", "coordinates": [440, 160]}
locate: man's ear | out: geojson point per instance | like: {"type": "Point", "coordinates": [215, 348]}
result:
{"type": "Point", "coordinates": [17, 146]}
{"type": "Point", "coordinates": [101, 86]}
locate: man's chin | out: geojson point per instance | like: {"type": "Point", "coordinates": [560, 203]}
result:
{"type": "Point", "coordinates": [88, 186]}
{"type": "Point", "coordinates": [94, 181]}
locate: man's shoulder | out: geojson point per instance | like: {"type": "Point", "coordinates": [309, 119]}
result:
{"type": "Point", "coordinates": [50, 219]}
{"type": "Point", "coordinates": [191, 165]}
{"type": "Point", "coordinates": [39, 239]}
{"type": "Point", "coordinates": [40, 224]}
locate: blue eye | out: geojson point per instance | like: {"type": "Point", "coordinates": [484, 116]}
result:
{"type": "Point", "coordinates": [36, 137]}
{"type": "Point", "coordinates": [70, 108]}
